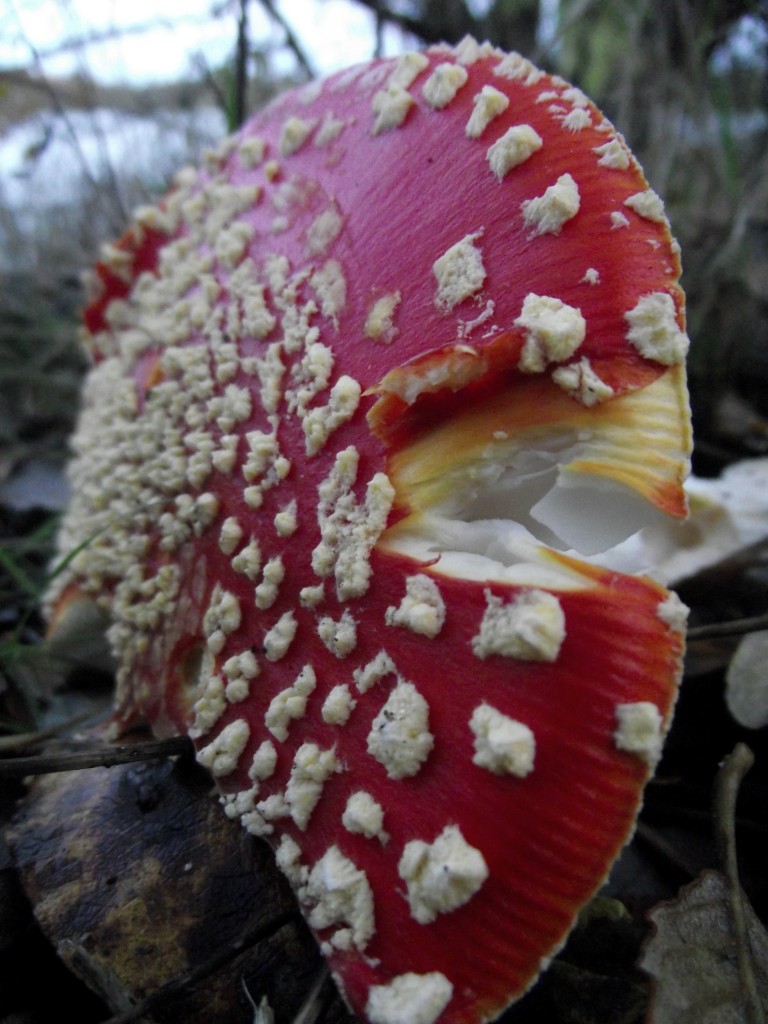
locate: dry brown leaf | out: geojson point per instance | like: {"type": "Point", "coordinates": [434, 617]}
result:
{"type": "Point", "coordinates": [139, 881]}
{"type": "Point", "coordinates": [692, 957]}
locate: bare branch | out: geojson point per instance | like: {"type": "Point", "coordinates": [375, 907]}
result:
{"type": "Point", "coordinates": [415, 26]}
{"type": "Point", "coordinates": [107, 35]}
{"type": "Point", "coordinates": [737, 627]}
{"type": "Point", "coordinates": [290, 38]}
{"type": "Point", "coordinates": [25, 740]}
{"type": "Point", "coordinates": [99, 756]}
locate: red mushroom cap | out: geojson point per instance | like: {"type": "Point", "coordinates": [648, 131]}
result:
{"type": "Point", "coordinates": [402, 305]}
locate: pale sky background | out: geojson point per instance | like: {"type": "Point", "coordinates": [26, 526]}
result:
{"type": "Point", "coordinates": [333, 33]}
{"type": "Point", "coordinates": [43, 159]}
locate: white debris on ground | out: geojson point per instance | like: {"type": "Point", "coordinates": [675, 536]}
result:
{"type": "Point", "coordinates": [746, 681]}
{"type": "Point", "coordinates": [727, 513]}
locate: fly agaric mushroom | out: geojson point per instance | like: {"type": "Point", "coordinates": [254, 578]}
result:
{"type": "Point", "coordinates": [362, 387]}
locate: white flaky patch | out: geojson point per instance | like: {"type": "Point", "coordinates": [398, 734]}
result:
{"type": "Point", "coordinates": [364, 816]}
{"type": "Point", "coordinates": [390, 107]}
{"type": "Point", "coordinates": [459, 273]}
{"type": "Point", "coordinates": [422, 609]}
{"type": "Point", "coordinates": [639, 730]}
{"type": "Point", "coordinates": [269, 369]}
{"type": "Point", "coordinates": [210, 705]}
{"type": "Point", "coordinates": [321, 421]}
{"type": "Point", "coordinates": [237, 804]}
{"type": "Point", "coordinates": [324, 230]}
{"type": "Point", "coordinates": [290, 704]}
{"type": "Point", "coordinates": [530, 628]}
{"type": "Point", "coordinates": [591, 276]}
{"type": "Point", "coordinates": [264, 762]}
{"type": "Point", "coordinates": [575, 96]}
{"type": "Point", "coordinates": [266, 592]}
{"type": "Point", "coordinates": [264, 466]}
{"type": "Point", "coordinates": [338, 893]}
{"type": "Point", "coordinates": [239, 670]}
{"type": "Point", "coordinates": [254, 822]}
{"type": "Point", "coordinates": [553, 331]}
{"type": "Point", "coordinates": [547, 213]}
{"type": "Point", "coordinates": [286, 521]}
{"type": "Point", "coordinates": [654, 330]}
{"type": "Point", "coordinates": [280, 637]}
{"type": "Point", "coordinates": [230, 535]}
{"type": "Point", "coordinates": [273, 808]}
{"type": "Point", "coordinates": [468, 51]}
{"type": "Point", "coordinates": [517, 68]}
{"type": "Point", "coordinates": [222, 617]}
{"type": "Point", "coordinates": [294, 134]}
{"type": "Point", "coordinates": [443, 84]}
{"type": "Point", "coordinates": [442, 875]}
{"type": "Point", "coordinates": [515, 146]}
{"type": "Point", "coordinates": [310, 376]}
{"type": "Point", "coordinates": [647, 204]}
{"type": "Point", "coordinates": [312, 767]}
{"type": "Point", "coordinates": [576, 120]}
{"type": "Point", "coordinates": [338, 705]}
{"type": "Point", "coordinates": [288, 859]}
{"type": "Point", "coordinates": [409, 999]}
{"type": "Point", "coordinates": [310, 597]}
{"type": "Point", "coordinates": [613, 155]}
{"type": "Point", "coordinates": [232, 244]}
{"type": "Point", "coordinates": [251, 152]}
{"type": "Point", "coordinates": [408, 68]}
{"type": "Point", "coordinates": [380, 323]}
{"type": "Point", "coordinates": [374, 671]}
{"type": "Point", "coordinates": [349, 529]}
{"type": "Point", "coordinates": [330, 286]}
{"type": "Point", "coordinates": [338, 635]}
{"type": "Point", "coordinates": [673, 612]}
{"type": "Point", "coordinates": [489, 103]}
{"type": "Point", "coordinates": [329, 129]}
{"type": "Point", "coordinates": [581, 382]}
{"type": "Point", "coordinates": [222, 754]}
{"type": "Point", "coordinates": [502, 744]}
{"type": "Point", "coordinates": [400, 739]}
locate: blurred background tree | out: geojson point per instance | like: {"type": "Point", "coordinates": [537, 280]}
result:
{"type": "Point", "coordinates": [686, 81]}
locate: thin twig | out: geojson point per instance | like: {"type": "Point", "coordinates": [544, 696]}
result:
{"type": "Point", "coordinates": [94, 37]}
{"type": "Point", "coordinates": [729, 779]}
{"type": "Point", "coordinates": [290, 38]}
{"type": "Point", "coordinates": [239, 99]}
{"type": "Point", "coordinates": [30, 739]}
{"type": "Point", "coordinates": [313, 1004]}
{"type": "Point", "coordinates": [309, 1010]}
{"type": "Point", "coordinates": [415, 26]}
{"type": "Point", "coordinates": [661, 846]}
{"type": "Point", "coordinates": [105, 756]}
{"type": "Point", "coordinates": [736, 627]}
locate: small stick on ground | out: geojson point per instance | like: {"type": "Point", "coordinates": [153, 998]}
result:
{"type": "Point", "coordinates": [24, 740]}
{"type": "Point", "coordinates": [733, 769]}
{"type": "Point", "coordinates": [98, 756]}
{"type": "Point", "coordinates": [737, 627]}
